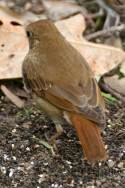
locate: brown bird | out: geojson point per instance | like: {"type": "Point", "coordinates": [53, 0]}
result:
{"type": "Point", "coordinates": [64, 86]}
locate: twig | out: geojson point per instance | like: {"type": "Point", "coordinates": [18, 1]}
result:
{"type": "Point", "coordinates": [13, 98]}
{"type": "Point", "coordinates": [105, 31]}
{"type": "Point", "coordinates": [114, 93]}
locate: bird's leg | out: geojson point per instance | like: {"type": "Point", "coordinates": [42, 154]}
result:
{"type": "Point", "coordinates": [55, 114]}
{"type": "Point", "coordinates": [59, 130]}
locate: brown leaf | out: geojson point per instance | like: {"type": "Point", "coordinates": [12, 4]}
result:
{"type": "Point", "coordinates": [13, 98]}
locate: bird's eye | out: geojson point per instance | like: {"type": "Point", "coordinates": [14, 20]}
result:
{"type": "Point", "coordinates": [29, 34]}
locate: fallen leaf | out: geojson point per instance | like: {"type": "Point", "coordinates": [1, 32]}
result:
{"type": "Point", "coordinates": [13, 98]}
{"type": "Point", "coordinates": [70, 30]}
{"type": "Point", "coordinates": [13, 48]}
{"type": "Point", "coordinates": [57, 10]}
{"type": "Point", "coordinates": [13, 42]}
{"type": "Point", "coordinates": [101, 58]}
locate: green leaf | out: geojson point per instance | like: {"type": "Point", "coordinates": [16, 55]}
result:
{"type": "Point", "coordinates": [109, 97]}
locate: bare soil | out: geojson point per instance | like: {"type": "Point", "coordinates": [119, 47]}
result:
{"type": "Point", "coordinates": [26, 163]}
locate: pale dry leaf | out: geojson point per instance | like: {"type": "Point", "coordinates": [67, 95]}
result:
{"type": "Point", "coordinates": [72, 28]}
{"type": "Point", "coordinates": [13, 42]}
{"type": "Point", "coordinates": [12, 97]}
{"type": "Point", "coordinates": [57, 10]}
{"type": "Point", "coordinates": [101, 58]}
{"type": "Point", "coordinates": [122, 68]}
{"type": "Point", "coordinates": [13, 48]}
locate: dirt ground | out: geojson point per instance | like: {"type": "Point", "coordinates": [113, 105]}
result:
{"type": "Point", "coordinates": [26, 163]}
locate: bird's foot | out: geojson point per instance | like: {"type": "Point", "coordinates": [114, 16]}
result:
{"type": "Point", "coordinates": [53, 139]}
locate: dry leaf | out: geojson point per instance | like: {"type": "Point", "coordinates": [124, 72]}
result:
{"type": "Point", "coordinates": [72, 28]}
{"type": "Point", "coordinates": [16, 100]}
{"type": "Point", "coordinates": [13, 42]}
{"type": "Point", "coordinates": [101, 58]}
{"type": "Point", "coordinates": [13, 48]}
{"type": "Point", "coordinates": [57, 10]}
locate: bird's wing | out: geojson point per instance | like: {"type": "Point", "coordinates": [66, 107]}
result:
{"type": "Point", "coordinates": [83, 98]}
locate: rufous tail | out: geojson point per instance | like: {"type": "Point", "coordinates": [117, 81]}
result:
{"type": "Point", "coordinates": [90, 137]}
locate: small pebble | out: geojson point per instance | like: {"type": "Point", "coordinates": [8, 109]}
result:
{"type": "Point", "coordinates": [60, 186]}
{"type": "Point", "coordinates": [13, 146]}
{"type": "Point", "coordinates": [14, 158]}
{"type": "Point", "coordinates": [100, 164]}
{"type": "Point", "coordinates": [64, 172]}
{"type": "Point", "coordinates": [13, 130]}
{"type": "Point", "coordinates": [72, 183]}
{"type": "Point", "coordinates": [68, 162]}
{"type": "Point", "coordinates": [19, 168]}
{"type": "Point", "coordinates": [32, 163]}
{"type": "Point", "coordinates": [120, 165]}
{"type": "Point", "coordinates": [27, 149]}
{"type": "Point", "coordinates": [111, 163]}
{"type": "Point", "coordinates": [98, 183]}
{"type": "Point", "coordinates": [45, 164]}
{"type": "Point", "coordinates": [42, 178]}
{"type": "Point", "coordinates": [5, 157]}
{"type": "Point", "coordinates": [109, 126]}
{"type": "Point", "coordinates": [11, 172]}
{"type": "Point", "coordinates": [80, 182]}
{"type": "Point", "coordinates": [54, 185]}
{"type": "Point", "coordinates": [3, 170]}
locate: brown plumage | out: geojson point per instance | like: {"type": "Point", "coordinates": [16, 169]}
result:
{"type": "Point", "coordinates": [64, 86]}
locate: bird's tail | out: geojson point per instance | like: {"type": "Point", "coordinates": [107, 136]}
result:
{"type": "Point", "coordinates": [90, 137]}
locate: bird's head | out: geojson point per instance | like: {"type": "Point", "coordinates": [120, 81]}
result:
{"type": "Point", "coordinates": [41, 32]}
